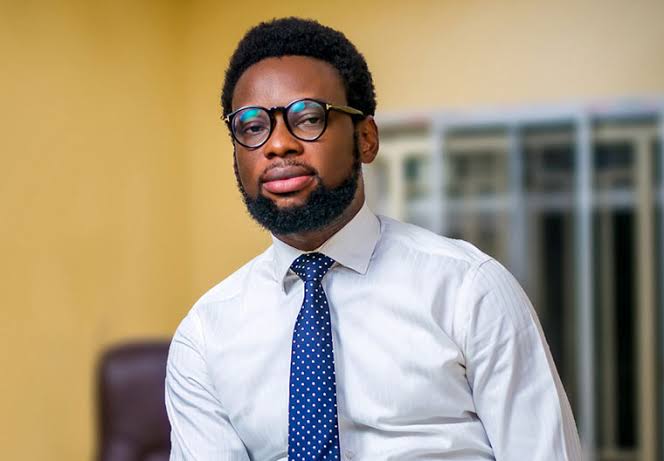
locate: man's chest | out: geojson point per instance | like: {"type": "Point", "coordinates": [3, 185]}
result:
{"type": "Point", "coordinates": [396, 367]}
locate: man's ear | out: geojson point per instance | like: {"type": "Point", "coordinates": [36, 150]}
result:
{"type": "Point", "coordinates": [367, 139]}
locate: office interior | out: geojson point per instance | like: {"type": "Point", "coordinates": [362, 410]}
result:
{"type": "Point", "coordinates": [534, 130]}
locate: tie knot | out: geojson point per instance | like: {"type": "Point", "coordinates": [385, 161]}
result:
{"type": "Point", "coordinates": [312, 266]}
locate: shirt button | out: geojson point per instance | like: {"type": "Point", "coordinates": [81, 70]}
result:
{"type": "Point", "coordinates": [348, 454]}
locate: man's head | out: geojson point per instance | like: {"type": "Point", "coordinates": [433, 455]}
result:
{"type": "Point", "coordinates": [289, 183]}
{"type": "Point", "coordinates": [301, 37]}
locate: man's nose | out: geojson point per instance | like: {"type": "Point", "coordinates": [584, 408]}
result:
{"type": "Point", "coordinates": [281, 142]}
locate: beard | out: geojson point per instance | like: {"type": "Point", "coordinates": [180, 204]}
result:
{"type": "Point", "coordinates": [322, 207]}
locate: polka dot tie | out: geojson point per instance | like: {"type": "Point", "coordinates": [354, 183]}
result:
{"type": "Point", "coordinates": [313, 432]}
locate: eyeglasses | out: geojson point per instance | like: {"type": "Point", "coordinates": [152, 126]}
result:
{"type": "Point", "coordinates": [306, 119]}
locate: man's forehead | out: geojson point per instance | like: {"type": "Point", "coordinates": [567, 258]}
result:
{"type": "Point", "coordinates": [284, 77]}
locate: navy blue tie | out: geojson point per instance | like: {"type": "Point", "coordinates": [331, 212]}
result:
{"type": "Point", "coordinates": [313, 432]}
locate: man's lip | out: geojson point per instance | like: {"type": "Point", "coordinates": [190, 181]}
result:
{"type": "Point", "coordinates": [285, 172]}
{"type": "Point", "coordinates": [286, 179]}
{"type": "Point", "coordinates": [288, 185]}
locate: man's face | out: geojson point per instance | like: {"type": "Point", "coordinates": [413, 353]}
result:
{"type": "Point", "coordinates": [291, 185]}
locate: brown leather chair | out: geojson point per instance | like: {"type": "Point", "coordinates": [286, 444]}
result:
{"type": "Point", "coordinates": [133, 425]}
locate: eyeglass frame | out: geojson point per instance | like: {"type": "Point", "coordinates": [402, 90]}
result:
{"type": "Point", "coordinates": [284, 109]}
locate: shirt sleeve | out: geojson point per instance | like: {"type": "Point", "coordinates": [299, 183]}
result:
{"type": "Point", "coordinates": [517, 392]}
{"type": "Point", "coordinates": [200, 428]}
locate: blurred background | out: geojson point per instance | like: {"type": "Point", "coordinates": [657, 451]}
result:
{"type": "Point", "coordinates": [533, 129]}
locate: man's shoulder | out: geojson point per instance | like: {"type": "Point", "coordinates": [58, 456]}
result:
{"type": "Point", "coordinates": [221, 302]}
{"type": "Point", "coordinates": [235, 284]}
{"type": "Point", "coordinates": [399, 237]}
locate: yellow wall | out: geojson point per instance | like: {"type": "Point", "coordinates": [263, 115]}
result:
{"type": "Point", "coordinates": [94, 196]}
{"type": "Point", "coordinates": [117, 198]}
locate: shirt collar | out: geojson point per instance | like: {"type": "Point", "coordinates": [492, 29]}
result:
{"type": "Point", "coordinates": [352, 246]}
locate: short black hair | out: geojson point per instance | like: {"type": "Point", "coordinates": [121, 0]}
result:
{"type": "Point", "coordinates": [303, 37]}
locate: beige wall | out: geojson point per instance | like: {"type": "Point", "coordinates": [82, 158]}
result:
{"type": "Point", "coordinates": [117, 197]}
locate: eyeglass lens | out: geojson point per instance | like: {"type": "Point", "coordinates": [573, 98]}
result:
{"type": "Point", "coordinates": [305, 120]}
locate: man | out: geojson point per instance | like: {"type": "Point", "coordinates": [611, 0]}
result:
{"type": "Point", "coordinates": [353, 336]}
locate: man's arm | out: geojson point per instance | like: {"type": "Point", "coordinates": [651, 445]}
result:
{"type": "Point", "coordinates": [200, 429]}
{"type": "Point", "coordinates": [517, 392]}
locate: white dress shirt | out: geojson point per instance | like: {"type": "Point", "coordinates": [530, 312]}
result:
{"type": "Point", "coordinates": [438, 355]}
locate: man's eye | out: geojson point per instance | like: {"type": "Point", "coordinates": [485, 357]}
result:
{"type": "Point", "coordinates": [312, 120]}
{"type": "Point", "coordinates": [253, 128]}
{"type": "Point", "coordinates": [307, 120]}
